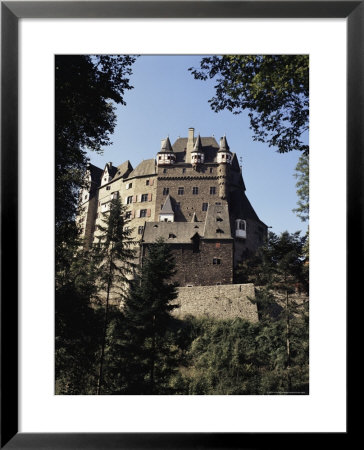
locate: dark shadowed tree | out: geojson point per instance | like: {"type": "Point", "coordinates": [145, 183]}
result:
{"type": "Point", "coordinates": [86, 90]}
{"type": "Point", "coordinates": [147, 354]}
{"type": "Point", "coordinates": [273, 88]}
{"type": "Point", "coordinates": [78, 328]}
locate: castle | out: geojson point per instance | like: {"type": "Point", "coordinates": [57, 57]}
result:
{"type": "Point", "coordinates": [193, 196]}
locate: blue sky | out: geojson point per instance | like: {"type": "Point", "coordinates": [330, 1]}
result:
{"type": "Point", "coordinates": [167, 100]}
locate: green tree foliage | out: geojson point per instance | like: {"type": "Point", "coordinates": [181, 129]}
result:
{"type": "Point", "coordinates": [236, 357]}
{"type": "Point", "coordinates": [145, 355]}
{"type": "Point", "coordinates": [114, 254]}
{"type": "Point", "coordinates": [273, 88]}
{"type": "Point", "coordinates": [302, 185]}
{"type": "Point", "coordinates": [85, 89]}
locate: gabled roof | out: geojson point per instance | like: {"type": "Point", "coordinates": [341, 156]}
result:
{"type": "Point", "coordinates": [167, 207]}
{"type": "Point", "coordinates": [146, 167]}
{"type": "Point", "coordinates": [123, 170]}
{"type": "Point", "coordinates": [96, 174]}
{"type": "Point", "coordinates": [110, 169]}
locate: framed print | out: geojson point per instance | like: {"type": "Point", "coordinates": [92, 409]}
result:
{"type": "Point", "coordinates": [208, 421]}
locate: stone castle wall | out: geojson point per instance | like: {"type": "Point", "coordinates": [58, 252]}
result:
{"type": "Point", "coordinates": [220, 302]}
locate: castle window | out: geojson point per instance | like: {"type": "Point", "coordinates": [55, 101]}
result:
{"type": "Point", "coordinates": [108, 188]}
{"type": "Point", "coordinates": [140, 229]}
{"type": "Point", "coordinates": [211, 169]}
{"type": "Point", "coordinates": [240, 225]}
{"type": "Point", "coordinates": [223, 156]}
{"type": "Point", "coordinates": [144, 198]}
{"type": "Point", "coordinates": [129, 200]}
{"type": "Point", "coordinates": [159, 157]}
{"type": "Point", "coordinates": [218, 219]}
{"type": "Point", "coordinates": [115, 195]}
{"type": "Point", "coordinates": [143, 213]}
{"type": "Point", "coordinates": [171, 236]}
{"type": "Point", "coordinates": [204, 206]}
{"type": "Point", "coordinates": [165, 191]}
{"type": "Point", "coordinates": [164, 170]}
{"type": "Point", "coordinates": [212, 190]}
{"type": "Point", "coordinates": [216, 261]}
{"type": "Point", "coordinates": [195, 190]}
{"type": "Point", "coordinates": [181, 191]}
{"type": "Point", "coordinates": [128, 215]}
{"type": "Point", "coordinates": [218, 203]}
{"type": "Point", "coordinates": [129, 185]}
{"type": "Point", "coordinates": [184, 170]}
{"type": "Point", "coordinates": [147, 182]}
{"type": "Point", "coordinates": [219, 230]}
{"type": "Point", "coordinates": [86, 197]}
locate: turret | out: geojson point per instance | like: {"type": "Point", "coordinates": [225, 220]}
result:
{"type": "Point", "coordinates": [224, 155]}
{"type": "Point", "coordinates": [165, 155]}
{"type": "Point", "coordinates": [224, 158]}
{"type": "Point", "coordinates": [197, 154]}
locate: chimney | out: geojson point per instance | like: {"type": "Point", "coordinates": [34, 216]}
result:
{"type": "Point", "coordinates": [190, 144]}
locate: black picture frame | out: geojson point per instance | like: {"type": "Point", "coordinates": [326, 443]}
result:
{"type": "Point", "coordinates": [11, 12]}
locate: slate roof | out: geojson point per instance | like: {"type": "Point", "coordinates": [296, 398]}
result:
{"type": "Point", "coordinates": [216, 226]}
{"type": "Point", "coordinates": [167, 207]}
{"type": "Point", "coordinates": [166, 146]}
{"type": "Point", "coordinates": [146, 167]}
{"type": "Point", "coordinates": [123, 170]}
{"type": "Point", "coordinates": [217, 223]}
{"type": "Point", "coordinates": [241, 207]}
{"type": "Point", "coordinates": [171, 232]}
{"type": "Point", "coordinates": [209, 147]}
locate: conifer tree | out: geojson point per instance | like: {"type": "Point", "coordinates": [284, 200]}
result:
{"type": "Point", "coordinates": [149, 355]}
{"type": "Point", "coordinates": [114, 253]}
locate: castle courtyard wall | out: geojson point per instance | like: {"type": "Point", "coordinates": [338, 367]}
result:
{"type": "Point", "coordinates": [219, 302]}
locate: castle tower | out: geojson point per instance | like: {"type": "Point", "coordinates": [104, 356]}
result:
{"type": "Point", "coordinates": [224, 158]}
{"type": "Point", "coordinates": [197, 154]}
{"type": "Point", "coordinates": [166, 155]}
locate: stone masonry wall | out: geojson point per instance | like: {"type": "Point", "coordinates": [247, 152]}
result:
{"type": "Point", "coordinates": [220, 302]}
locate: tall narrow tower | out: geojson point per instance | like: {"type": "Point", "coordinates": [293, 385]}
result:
{"type": "Point", "coordinates": [224, 158]}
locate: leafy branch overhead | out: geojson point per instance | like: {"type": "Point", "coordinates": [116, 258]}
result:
{"type": "Point", "coordinates": [273, 88]}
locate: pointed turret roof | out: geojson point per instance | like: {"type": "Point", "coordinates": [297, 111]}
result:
{"type": "Point", "coordinates": [224, 146]}
{"type": "Point", "coordinates": [167, 207]}
{"type": "Point", "coordinates": [166, 145]}
{"type": "Point", "coordinates": [198, 145]}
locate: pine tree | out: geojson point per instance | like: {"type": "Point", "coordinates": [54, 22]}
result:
{"type": "Point", "coordinates": [114, 253]}
{"type": "Point", "coordinates": [147, 350]}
